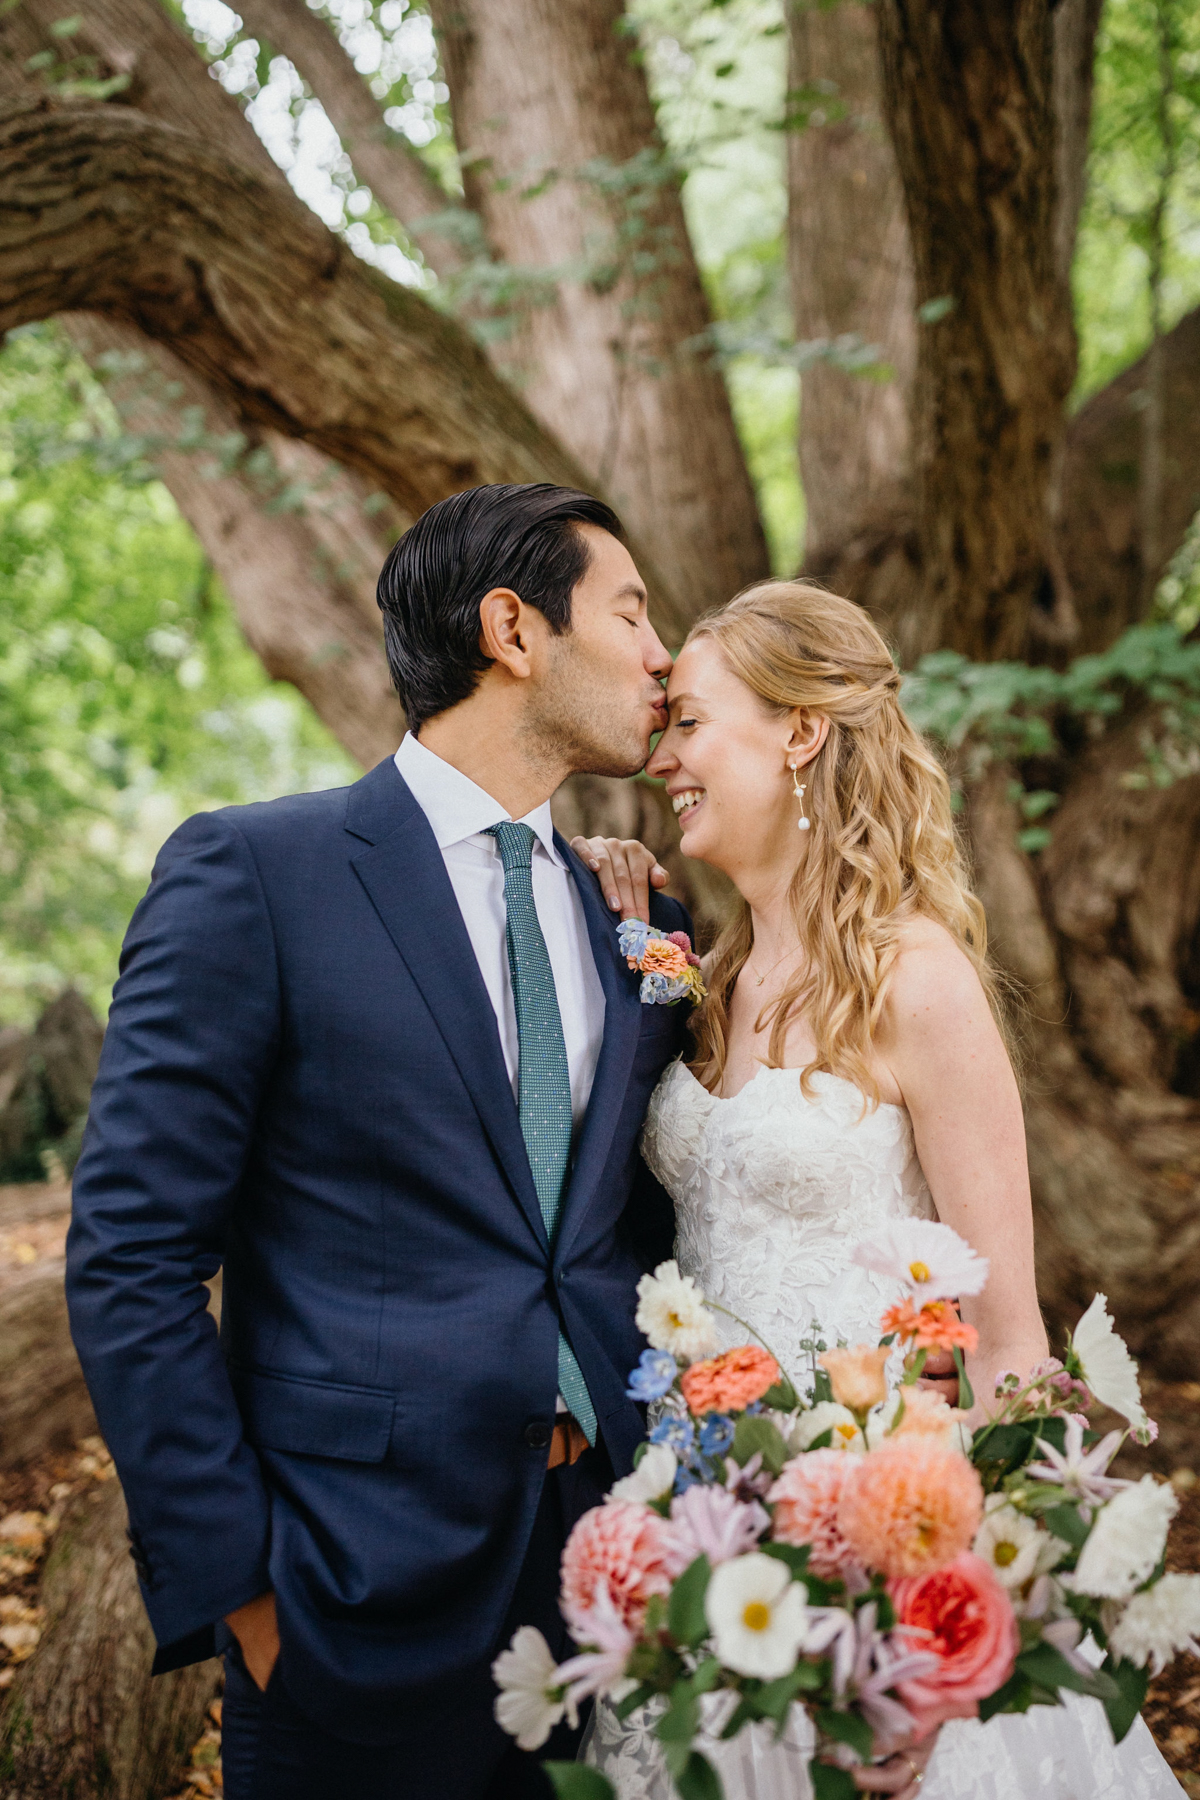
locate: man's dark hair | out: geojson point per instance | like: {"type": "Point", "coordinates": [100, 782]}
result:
{"type": "Point", "coordinates": [518, 536]}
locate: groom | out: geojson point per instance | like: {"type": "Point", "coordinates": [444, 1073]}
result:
{"type": "Point", "coordinates": [375, 1053]}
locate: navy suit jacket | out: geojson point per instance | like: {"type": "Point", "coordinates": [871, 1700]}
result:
{"type": "Point", "coordinates": [302, 1082]}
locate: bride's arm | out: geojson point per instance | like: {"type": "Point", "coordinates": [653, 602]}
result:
{"type": "Point", "coordinates": [940, 1042]}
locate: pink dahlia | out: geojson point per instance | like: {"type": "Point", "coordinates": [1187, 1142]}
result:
{"type": "Point", "coordinates": [806, 1499]}
{"type": "Point", "coordinates": [913, 1506]}
{"type": "Point", "coordinates": [622, 1551]}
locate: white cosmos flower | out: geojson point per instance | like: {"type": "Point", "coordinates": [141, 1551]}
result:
{"type": "Point", "coordinates": [1159, 1624]}
{"type": "Point", "coordinates": [827, 1415]}
{"type": "Point", "coordinates": [1126, 1542]}
{"type": "Point", "coordinates": [528, 1706]}
{"type": "Point", "coordinates": [653, 1477]}
{"type": "Point", "coordinates": [1012, 1546]}
{"type": "Point", "coordinates": [758, 1615]}
{"type": "Point", "coordinates": [672, 1315]}
{"type": "Point", "coordinates": [927, 1260]}
{"type": "Point", "coordinates": [1108, 1369]}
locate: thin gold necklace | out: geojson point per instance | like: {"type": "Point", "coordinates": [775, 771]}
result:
{"type": "Point", "coordinates": [774, 965]}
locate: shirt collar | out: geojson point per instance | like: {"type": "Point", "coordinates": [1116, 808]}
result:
{"type": "Point", "coordinates": [455, 806]}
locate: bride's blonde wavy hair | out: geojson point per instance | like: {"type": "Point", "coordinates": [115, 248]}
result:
{"type": "Point", "coordinates": [882, 848]}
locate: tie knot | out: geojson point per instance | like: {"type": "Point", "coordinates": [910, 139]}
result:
{"type": "Point", "coordinates": [516, 844]}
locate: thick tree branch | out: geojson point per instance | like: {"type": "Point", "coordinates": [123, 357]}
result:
{"type": "Point", "coordinates": [102, 209]}
{"type": "Point", "coordinates": [382, 158]}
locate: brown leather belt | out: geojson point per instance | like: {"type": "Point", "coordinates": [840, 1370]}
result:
{"type": "Point", "coordinates": [567, 1442]}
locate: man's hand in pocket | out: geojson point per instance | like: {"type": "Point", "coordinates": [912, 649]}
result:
{"type": "Point", "coordinates": [257, 1631]}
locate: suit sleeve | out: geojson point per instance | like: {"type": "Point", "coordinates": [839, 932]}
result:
{"type": "Point", "coordinates": [190, 1045]}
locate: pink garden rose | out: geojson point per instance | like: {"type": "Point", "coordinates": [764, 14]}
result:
{"type": "Point", "coordinates": [623, 1550]}
{"type": "Point", "coordinates": [966, 1620]}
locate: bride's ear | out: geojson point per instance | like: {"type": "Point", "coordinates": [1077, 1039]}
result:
{"type": "Point", "coordinates": [806, 737]}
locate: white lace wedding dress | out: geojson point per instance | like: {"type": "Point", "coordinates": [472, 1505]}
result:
{"type": "Point", "coordinates": [772, 1192]}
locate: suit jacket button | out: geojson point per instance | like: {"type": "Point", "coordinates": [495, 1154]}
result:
{"type": "Point", "coordinates": [538, 1434]}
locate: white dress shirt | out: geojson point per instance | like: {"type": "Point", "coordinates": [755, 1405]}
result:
{"type": "Point", "coordinates": [459, 813]}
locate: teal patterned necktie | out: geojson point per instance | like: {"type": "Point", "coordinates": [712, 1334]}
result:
{"type": "Point", "coordinates": [543, 1081]}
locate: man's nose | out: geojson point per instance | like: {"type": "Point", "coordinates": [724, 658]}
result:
{"type": "Point", "coordinates": [655, 655]}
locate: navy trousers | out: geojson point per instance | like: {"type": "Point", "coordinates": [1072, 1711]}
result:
{"type": "Point", "coordinates": [271, 1751]}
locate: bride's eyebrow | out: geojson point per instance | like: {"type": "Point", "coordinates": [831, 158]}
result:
{"type": "Point", "coordinates": [683, 700]}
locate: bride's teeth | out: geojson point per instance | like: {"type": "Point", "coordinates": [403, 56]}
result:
{"type": "Point", "coordinates": [689, 797]}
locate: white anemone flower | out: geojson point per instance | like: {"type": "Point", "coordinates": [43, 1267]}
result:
{"type": "Point", "coordinates": [927, 1260]}
{"type": "Point", "coordinates": [827, 1415]}
{"type": "Point", "coordinates": [1012, 1546]}
{"type": "Point", "coordinates": [529, 1704]}
{"type": "Point", "coordinates": [1160, 1623]}
{"type": "Point", "coordinates": [1108, 1369]}
{"type": "Point", "coordinates": [653, 1477]}
{"type": "Point", "coordinates": [672, 1315]}
{"type": "Point", "coordinates": [1124, 1545]}
{"type": "Point", "coordinates": [758, 1615]}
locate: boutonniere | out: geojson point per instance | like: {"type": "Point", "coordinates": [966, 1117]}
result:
{"type": "Point", "coordinates": [666, 962]}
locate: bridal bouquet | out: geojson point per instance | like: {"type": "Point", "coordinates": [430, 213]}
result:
{"type": "Point", "coordinates": [856, 1550]}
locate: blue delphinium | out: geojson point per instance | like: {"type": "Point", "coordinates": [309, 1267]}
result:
{"type": "Point", "coordinates": [653, 1377]}
{"type": "Point", "coordinates": [677, 1433]}
{"type": "Point", "coordinates": [716, 1435]}
{"type": "Point", "coordinates": [633, 936]}
{"type": "Point", "coordinates": [684, 1479]}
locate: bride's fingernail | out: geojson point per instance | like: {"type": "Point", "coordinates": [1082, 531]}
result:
{"type": "Point", "coordinates": [593, 866]}
{"type": "Point", "coordinates": [614, 902]}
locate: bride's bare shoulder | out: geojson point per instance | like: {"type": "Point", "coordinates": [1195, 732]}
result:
{"type": "Point", "coordinates": [932, 980]}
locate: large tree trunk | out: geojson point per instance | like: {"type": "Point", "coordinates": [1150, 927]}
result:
{"type": "Point", "coordinates": [562, 161]}
{"type": "Point", "coordinates": [382, 158]}
{"type": "Point", "coordinates": [851, 272]}
{"type": "Point", "coordinates": [969, 100]}
{"type": "Point", "coordinates": [83, 1718]}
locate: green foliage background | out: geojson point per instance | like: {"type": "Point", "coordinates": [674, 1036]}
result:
{"type": "Point", "coordinates": [127, 696]}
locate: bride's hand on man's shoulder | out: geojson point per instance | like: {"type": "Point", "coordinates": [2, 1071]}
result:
{"type": "Point", "coordinates": [626, 871]}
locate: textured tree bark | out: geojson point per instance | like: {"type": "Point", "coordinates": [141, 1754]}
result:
{"type": "Point", "coordinates": [562, 161]}
{"type": "Point", "coordinates": [43, 1401]}
{"type": "Point", "coordinates": [969, 102]}
{"type": "Point", "coordinates": [382, 158]}
{"type": "Point", "coordinates": [106, 210]}
{"type": "Point", "coordinates": [851, 272]}
{"type": "Point", "coordinates": [298, 553]}
{"type": "Point", "coordinates": [83, 1717]}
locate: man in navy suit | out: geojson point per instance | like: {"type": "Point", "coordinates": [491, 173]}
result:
{"type": "Point", "coordinates": [375, 1052]}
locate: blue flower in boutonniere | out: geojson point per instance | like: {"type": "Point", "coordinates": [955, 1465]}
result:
{"type": "Point", "coordinates": [669, 967]}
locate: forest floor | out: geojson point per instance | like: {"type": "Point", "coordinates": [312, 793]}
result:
{"type": "Point", "coordinates": [32, 1500]}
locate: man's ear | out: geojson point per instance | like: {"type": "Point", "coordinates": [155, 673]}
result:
{"type": "Point", "coordinates": [504, 631]}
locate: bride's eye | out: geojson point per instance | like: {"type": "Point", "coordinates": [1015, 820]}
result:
{"type": "Point", "coordinates": [686, 724]}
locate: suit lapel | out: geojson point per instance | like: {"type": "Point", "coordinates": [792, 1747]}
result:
{"type": "Point", "coordinates": [404, 874]}
{"type": "Point", "coordinates": [622, 1027]}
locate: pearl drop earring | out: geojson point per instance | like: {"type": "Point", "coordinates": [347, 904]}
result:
{"type": "Point", "coordinates": [803, 823]}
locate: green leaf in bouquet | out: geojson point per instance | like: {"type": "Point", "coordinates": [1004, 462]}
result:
{"type": "Point", "coordinates": [707, 1675]}
{"type": "Point", "coordinates": [1054, 1430]}
{"type": "Point", "coordinates": [782, 1396]}
{"type": "Point", "coordinates": [966, 1393]}
{"type": "Point", "coordinates": [847, 1728]}
{"type": "Point", "coordinates": [641, 1450]}
{"type": "Point", "coordinates": [681, 1721]}
{"type": "Point", "coordinates": [1047, 1667]}
{"type": "Point", "coordinates": [1132, 1683]}
{"type": "Point", "coordinates": [1016, 1696]}
{"type": "Point", "coordinates": [686, 1619]}
{"type": "Point", "coordinates": [885, 1612]}
{"type": "Point", "coordinates": [1067, 1523]}
{"type": "Point", "coordinates": [822, 1386]}
{"type": "Point", "coordinates": [745, 1710]}
{"type": "Point", "coordinates": [822, 1441]}
{"type": "Point", "coordinates": [698, 1780]}
{"type": "Point", "coordinates": [633, 1701]}
{"type": "Point", "coordinates": [794, 1555]}
{"type": "Point", "coordinates": [775, 1697]}
{"type": "Point", "coordinates": [1002, 1447]}
{"type": "Point", "coordinates": [830, 1782]}
{"type": "Point", "coordinates": [578, 1781]}
{"type": "Point", "coordinates": [756, 1436]}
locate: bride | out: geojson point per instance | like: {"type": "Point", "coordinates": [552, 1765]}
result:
{"type": "Point", "coordinates": [850, 1067]}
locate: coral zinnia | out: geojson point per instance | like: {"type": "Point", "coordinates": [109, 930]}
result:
{"type": "Point", "coordinates": [806, 1499]}
{"type": "Point", "coordinates": [623, 1550]}
{"type": "Point", "coordinates": [730, 1382]}
{"type": "Point", "coordinates": [936, 1327]}
{"type": "Point", "coordinates": [912, 1507]}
